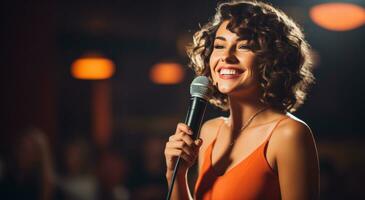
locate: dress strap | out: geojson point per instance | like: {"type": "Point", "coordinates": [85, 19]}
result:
{"type": "Point", "coordinates": [217, 132]}
{"type": "Point", "coordinates": [276, 125]}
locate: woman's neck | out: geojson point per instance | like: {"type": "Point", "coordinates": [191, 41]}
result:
{"type": "Point", "coordinates": [242, 111]}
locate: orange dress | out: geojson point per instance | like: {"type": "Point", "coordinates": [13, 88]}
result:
{"type": "Point", "coordinates": [250, 179]}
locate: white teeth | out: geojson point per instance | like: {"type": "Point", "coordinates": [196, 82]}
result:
{"type": "Point", "coordinates": [228, 72]}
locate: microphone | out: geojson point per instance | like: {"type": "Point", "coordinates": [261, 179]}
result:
{"type": "Point", "coordinates": [200, 92]}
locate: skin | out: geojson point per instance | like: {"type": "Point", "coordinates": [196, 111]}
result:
{"type": "Point", "coordinates": [291, 151]}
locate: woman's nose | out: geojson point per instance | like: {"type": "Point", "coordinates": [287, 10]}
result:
{"type": "Point", "coordinates": [230, 57]}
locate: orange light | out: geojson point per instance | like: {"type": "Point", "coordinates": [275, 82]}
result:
{"type": "Point", "coordinates": [167, 73]}
{"type": "Point", "coordinates": [92, 68]}
{"type": "Point", "coordinates": [338, 16]}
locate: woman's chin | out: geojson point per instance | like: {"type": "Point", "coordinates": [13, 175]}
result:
{"type": "Point", "coordinates": [225, 90]}
{"type": "Point", "coordinates": [235, 90]}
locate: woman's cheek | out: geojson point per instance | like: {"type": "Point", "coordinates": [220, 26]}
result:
{"type": "Point", "coordinates": [212, 74]}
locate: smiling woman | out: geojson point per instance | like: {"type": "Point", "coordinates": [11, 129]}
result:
{"type": "Point", "coordinates": [231, 63]}
{"type": "Point", "coordinates": [283, 59]}
{"type": "Point", "coordinates": [259, 62]}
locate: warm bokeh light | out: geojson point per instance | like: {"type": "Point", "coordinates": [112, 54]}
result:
{"type": "Point", "coordinates": [338, 16]}
{"type": "Point", "coordinates": [92, 68]}
{"type": "Point", "coordinates": [167, 73]}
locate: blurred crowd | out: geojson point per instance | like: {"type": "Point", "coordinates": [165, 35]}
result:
{"type": "Point", "coordinates": [78, 170]}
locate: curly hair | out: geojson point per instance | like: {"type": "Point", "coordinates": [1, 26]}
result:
{"type": "Point", "coordinates": [283, 60]}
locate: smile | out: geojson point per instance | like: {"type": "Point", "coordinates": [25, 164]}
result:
{"type": "Point", "coordinates": [229, 72]}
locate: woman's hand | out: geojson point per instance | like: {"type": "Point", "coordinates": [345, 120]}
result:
{"type": "Point", "coordinates": [181, 144]}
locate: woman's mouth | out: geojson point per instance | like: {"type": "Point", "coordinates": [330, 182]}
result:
{"type": "Point", "coordinates": [229, 72]}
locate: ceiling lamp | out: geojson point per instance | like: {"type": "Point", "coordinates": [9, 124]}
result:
{"type": "Point", "coordinates": [338, 16]}
{"type": "Point", "coordinates": [92, 68]}
{"type": "Point", "coordinates": [167, 73]}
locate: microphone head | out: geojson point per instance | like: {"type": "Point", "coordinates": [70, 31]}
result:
{"type": "Point", "coordinates": [201, 87]}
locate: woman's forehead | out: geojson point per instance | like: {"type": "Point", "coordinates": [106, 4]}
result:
{"type": "Point", "coordinates": [225, 33]}
{"type": "Point", "coordinates": [239, 33]}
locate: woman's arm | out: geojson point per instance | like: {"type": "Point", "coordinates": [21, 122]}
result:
{"type": "Point", "coordinates": [181, 143]}
{"type": "Point", "coordinates": [181, 189]}
{"type": "Point", "coordinates": [297, 161]}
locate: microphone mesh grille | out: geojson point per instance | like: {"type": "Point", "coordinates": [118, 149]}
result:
{"type": "Point", "coordinates": [201, 87]}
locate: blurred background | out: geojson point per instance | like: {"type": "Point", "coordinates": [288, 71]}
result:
{"type": "Point", "coordinates": [91, 91]}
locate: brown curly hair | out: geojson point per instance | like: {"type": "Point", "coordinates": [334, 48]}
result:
{"type": "Point", "coordinates": [283, 59]}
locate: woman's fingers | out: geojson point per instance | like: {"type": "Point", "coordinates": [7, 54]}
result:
{"type": "Point", "coordinates": [176, 149]}
{"type": "Point", "coordinates": [181, 127]}
{"type": "Point", "coordinates": [182, 145]}
{"type": "Point", "coordinates": [181, 136]}
{"type": "Point", "coordinates": [178, 152]}
{"type": "Point", "coordinates": [188, 149]}
{"type": "Point", "coordinates": [198, 142]}
{"type": "Point", "coordinates": [184, 148]}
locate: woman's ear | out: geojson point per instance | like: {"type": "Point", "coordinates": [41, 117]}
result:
{"type": "Point", "coordinates": [215, 84]}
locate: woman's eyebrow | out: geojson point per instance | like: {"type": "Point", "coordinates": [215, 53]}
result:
{"type": "Point", "coordinates": [224, 39]}
{"type": "Point", "coordinates": [220, 38]}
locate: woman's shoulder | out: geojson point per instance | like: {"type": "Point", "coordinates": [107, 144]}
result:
{"type": "Point", "coordinates": [295, 154]}
{"type": "Point", "coordinates": [210, 129]}
{"type": "Point", "coordinates": [292, 126]}
{"type": "Point", "coordinates": [292, 134]}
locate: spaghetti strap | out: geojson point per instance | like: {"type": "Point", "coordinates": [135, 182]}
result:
{"type": "Point", "coordinates": [219, 128]}
{"type": "Point", "coordinates": [217, 132]}
{"type": "Point", "coordinates": [272, 130]}
{"type": "Point", "coordinates": [253, 171]}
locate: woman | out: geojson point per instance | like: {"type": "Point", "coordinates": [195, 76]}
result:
{"type": "Point", "coordinates": [259, 63]}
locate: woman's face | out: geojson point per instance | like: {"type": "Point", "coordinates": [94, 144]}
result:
{"type": "Point", "coordinates": [232, 64]}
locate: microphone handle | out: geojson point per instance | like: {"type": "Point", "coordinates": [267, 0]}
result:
{"type": "Point", "coordinates": [194, 119]}
{"type": "Point", "coordinates": [195, 115]}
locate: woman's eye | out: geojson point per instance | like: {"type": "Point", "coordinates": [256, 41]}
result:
{"type": "Point", "coordinates": [244, 47]}
{"type": "Point", "coordinates": [218, 46]}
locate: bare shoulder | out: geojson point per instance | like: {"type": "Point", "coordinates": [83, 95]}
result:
{"type": "Point", "coordinates": [292, 129]}
{"type": "Point", "coordinates": [207, 133]}
{"type": "Point", "coordinates": [293, 136]}
{"type": "Point", "coordinates": [209, 129]}
{"type": "Point", "coordinates": [296, 159]}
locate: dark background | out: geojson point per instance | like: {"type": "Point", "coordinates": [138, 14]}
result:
{"type": "Point", "coordinates": [40, 40]}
